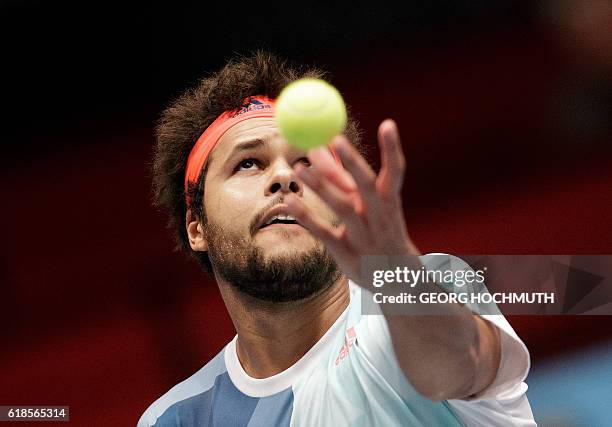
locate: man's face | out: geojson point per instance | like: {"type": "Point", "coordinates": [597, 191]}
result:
{"type": "Point", "coordinates": [250, 173]}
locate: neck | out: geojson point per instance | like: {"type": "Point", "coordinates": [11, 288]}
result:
{"type": "Point", "coordinates": [273, 336]}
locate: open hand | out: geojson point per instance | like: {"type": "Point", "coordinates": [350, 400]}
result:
{"type": "Point", "coordinates": [369, 206]}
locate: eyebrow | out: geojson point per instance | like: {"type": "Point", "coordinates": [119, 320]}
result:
{"type": "Point", "coordinates": [247, 145]}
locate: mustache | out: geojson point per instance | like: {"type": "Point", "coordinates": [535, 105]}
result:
{"type": "Point", "coordinates": [254, 226]}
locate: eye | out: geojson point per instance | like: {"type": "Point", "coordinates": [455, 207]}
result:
{"type": "Point", "coordinates": [305, 161]}
{"type": "Point", "coordinates": [246, 164]}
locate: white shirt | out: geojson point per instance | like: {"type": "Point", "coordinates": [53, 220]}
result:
{"type": "Point", "coordinates": [349, 377]}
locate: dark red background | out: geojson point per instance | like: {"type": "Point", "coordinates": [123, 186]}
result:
{"type": "Point", "coordinates": [100, 314]}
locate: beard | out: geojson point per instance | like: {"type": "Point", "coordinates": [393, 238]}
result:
{"type": "Point", "coordinates": [284, 278]}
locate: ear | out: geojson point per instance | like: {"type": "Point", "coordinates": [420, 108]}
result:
{"type": "Point", "coordinates": [195, 233]}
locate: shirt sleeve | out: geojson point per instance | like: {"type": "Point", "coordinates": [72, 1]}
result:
{"type": "Point", "coordinates": [504, 402]}
{"type": "Point", "coordinates": [514, 361]}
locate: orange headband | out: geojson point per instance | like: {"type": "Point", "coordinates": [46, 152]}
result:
{"type": "Point", "coordinates": [255, 107]}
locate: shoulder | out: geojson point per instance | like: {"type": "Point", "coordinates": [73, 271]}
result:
{"type": "Point", "coordinates": [166, 409]}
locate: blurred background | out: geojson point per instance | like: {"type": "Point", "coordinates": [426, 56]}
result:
{"type": "Point", "coordinates": [505, 111]}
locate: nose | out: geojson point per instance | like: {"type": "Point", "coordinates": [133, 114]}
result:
{"type": "Point", "coordinates": [283, 180]}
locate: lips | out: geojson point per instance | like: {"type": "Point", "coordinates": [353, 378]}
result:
{"type": "Point", "coordinates": [277, 215]}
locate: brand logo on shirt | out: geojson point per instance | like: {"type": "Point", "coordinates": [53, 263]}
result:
{"type": "Point", "coordinates": [349, 339]}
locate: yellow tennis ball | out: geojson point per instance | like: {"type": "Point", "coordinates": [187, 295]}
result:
{"type": "Point", "coordinates": [309, 113]}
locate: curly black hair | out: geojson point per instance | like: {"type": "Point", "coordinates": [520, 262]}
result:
{"type": "Point", "coordinates": [184, 120]}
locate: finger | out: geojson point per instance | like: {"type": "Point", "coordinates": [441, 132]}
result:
{"type": "Point", "coordinates": [325, 164]}
{"type": "Point", "coordinates": [340, 202]}
{"type": "Point", "coordinates": [393, 163]}
{"type": "Point", "coordinates": [370, 205]}
{"type": "Point", "coordinates": [355, 164]}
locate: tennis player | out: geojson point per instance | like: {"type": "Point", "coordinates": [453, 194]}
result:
{"type": "Point", "coordinates": [283, 232]}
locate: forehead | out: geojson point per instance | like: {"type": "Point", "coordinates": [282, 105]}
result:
{"type": "Point", "coordinates": [248, 130]}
